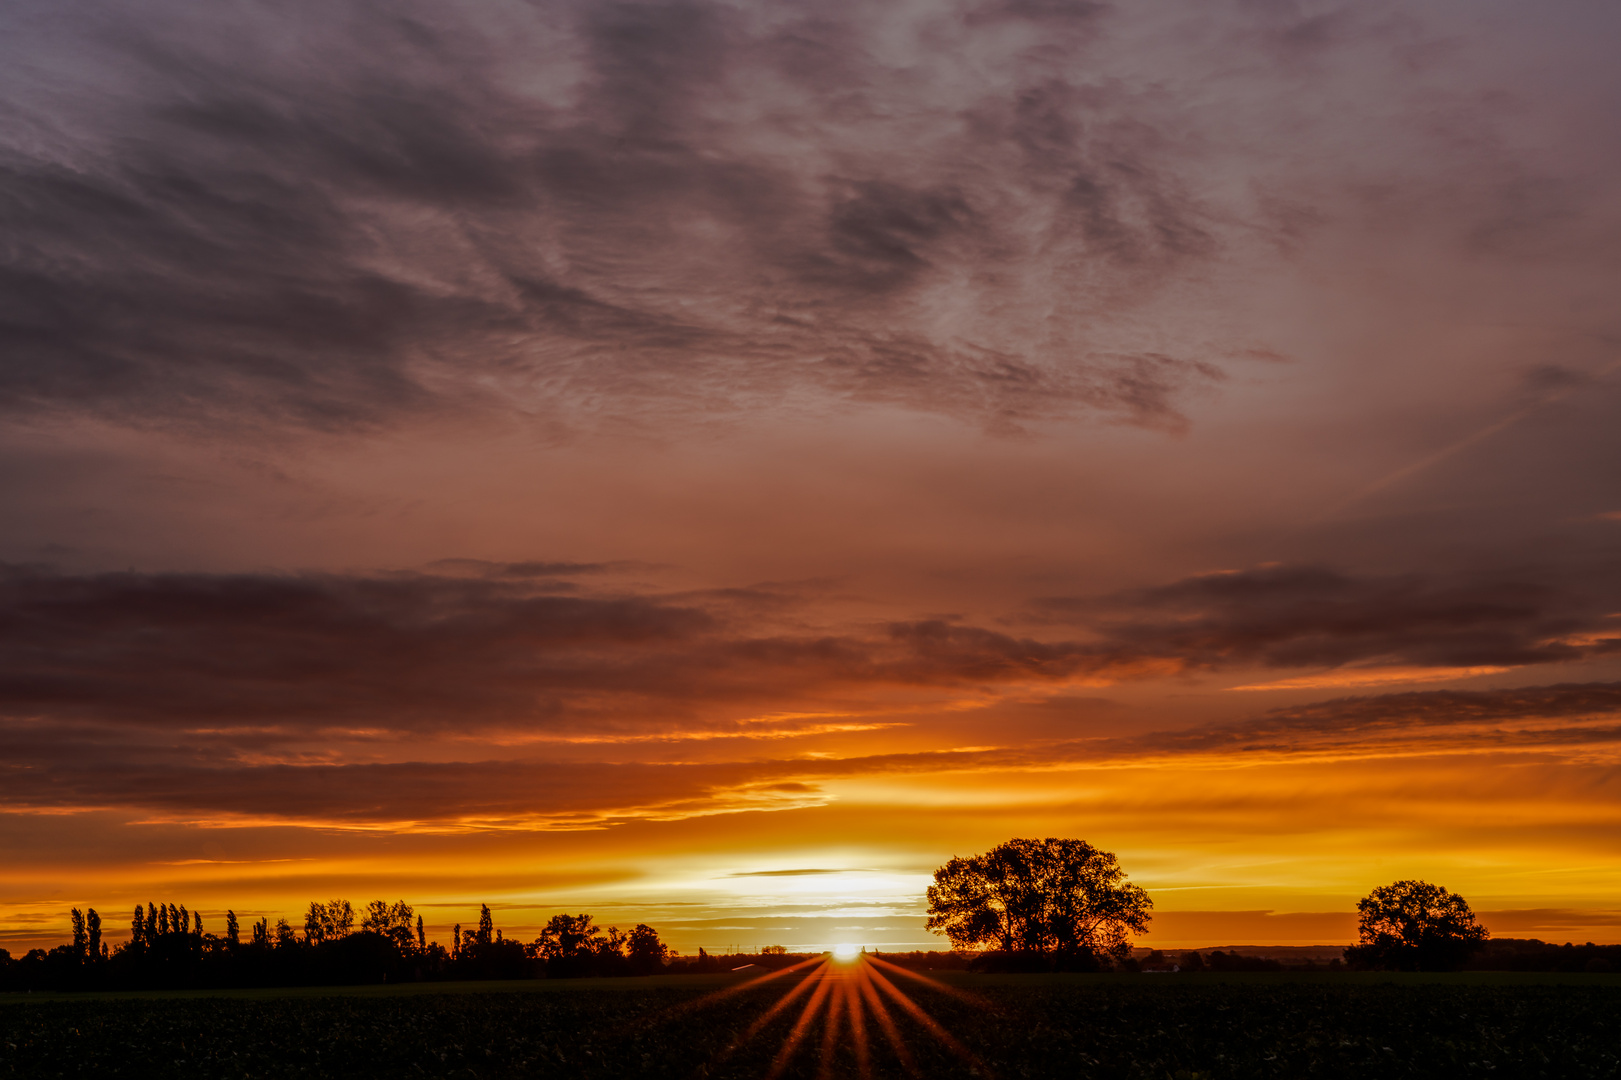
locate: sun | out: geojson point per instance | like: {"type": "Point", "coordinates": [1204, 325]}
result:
{"type": "Point", "coordinates": [846, 953]}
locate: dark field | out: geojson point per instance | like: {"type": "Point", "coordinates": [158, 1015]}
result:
{"type": "Point", "coordinates": [1021, 1026]}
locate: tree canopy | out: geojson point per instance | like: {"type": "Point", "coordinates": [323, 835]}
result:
{"type": "Point", "coordinates": [1415, 926]}
{"type": "Point", "coordinates": [1060, 897]}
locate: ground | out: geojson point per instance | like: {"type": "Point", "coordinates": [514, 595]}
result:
{"type": "Point", "coordinates": [1164, 1027]}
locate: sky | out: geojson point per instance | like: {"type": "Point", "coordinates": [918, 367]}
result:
{"type": "Point", "coordinates": [708, 464]}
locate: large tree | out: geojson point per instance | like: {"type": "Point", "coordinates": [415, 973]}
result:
{"type": "Point", "coordinates": [393, 921]}
{"type": "Point", "coordinates": [569, 937]}
{"type": "Point", "coordinates": [645, 950]}
{"type": "Point", "coordinates": [1415, 926]}
{"type": "Point", "coordinates": [1061, 897]}
{"type": "Point", "coordinates": [328, 922]}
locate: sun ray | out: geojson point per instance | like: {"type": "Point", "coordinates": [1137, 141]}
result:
{"type": "Point", "coordinates": [802, 987]}
{"type": "Point", "coordinates": [935, 984]}
{"type": "Point", "coordinates": [837, 1004]}
{"type": "Point", "coordinates": [929, 1023]}
{"type": "Point", "coordinates": [839, 996]}
{"type": "Point", "coordinates": [886, 1022]}
{"type": "Point", "coordinates": [750, 984]}
{"type": "Point", "coordinates": [858, 1029]}
{"type": "Point", "coordinates": [805, 985]}
{"type": "Point", "coordinates": [825, 982]}
{"type": "Point", "coordinates": [764, 1018]}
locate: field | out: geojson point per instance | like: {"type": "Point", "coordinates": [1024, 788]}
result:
{"type": "Point", "coordinates": [1164, 1027]}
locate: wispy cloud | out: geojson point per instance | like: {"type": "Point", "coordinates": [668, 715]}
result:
{"type": "Point", "coordinates": [1560, 724]}
{"type": "Point", "coordinates": [1314, 616]}
{"type": "Point", "coordinates": [797, 873]}
{"type": "Point", "coordinates": [615, 208]}
{"type": "Point", "coordinates": [1373, 676]}
{"type": "Point", "coordinates": [685, 203]}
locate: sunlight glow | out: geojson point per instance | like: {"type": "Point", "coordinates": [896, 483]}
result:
{"type": "Point", "coordinates": [846, 953]}
{"type": "Point", "coordinates": [838, 998]}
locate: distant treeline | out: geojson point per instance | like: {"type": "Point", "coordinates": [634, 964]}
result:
{"type": "Point", "coordinates": [1498, 954]}
{"type": "Point", "coordinates": [1530, 954]}
{"type": "Point", "coordinates": [169, 948]}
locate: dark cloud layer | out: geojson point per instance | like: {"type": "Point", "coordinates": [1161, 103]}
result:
{"type": "Point", "coordinates": [1531, 717]}
{"type": "Point", "coordinates": [340, 214]}
{"type": "Point", "coordinates": [322, 650]}
{"type": "Point", "coordinates": [65, 769]}
{"type": "Point", "coordinates": [322, 236]}
{"type": "Point", "coordinates": [480, 793]}
{"type": "Point", "coordinates": [1318, 617]}
{"type": "Point", "coordinates": [527, 648]}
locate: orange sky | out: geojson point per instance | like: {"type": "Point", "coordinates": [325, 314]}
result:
{"type": "Point", "coordinates": [709, 465]}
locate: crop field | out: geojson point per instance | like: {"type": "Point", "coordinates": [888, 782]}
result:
{"type": "Point", "coordinates": [841, 1023]}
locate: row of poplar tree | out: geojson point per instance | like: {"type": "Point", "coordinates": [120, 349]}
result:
{"type": "Point", "coordinates": [384, 942]}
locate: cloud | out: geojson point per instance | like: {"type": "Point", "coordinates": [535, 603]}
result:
{"type": "Point", "coordinates": [339, 216]}
{"type": "Point", "coordinates": [1392, 629]}
{"type": "Point", "coordinates": [447, 700]}
{"type": "Point", "coordinates": [1312, 616]}
{"type": "Point", "coordinates": [1563, 720]}
{"type": "Point", "coordinates": [59, 767]}
{"type": "Point", "coordinates": [251, 662]}
{"type": "Point", "coordinates": [1441, 707]}
{"type": "Point", "coordinates": [682, 201]}
{"type": "Point", "coordinates": [1563, 921]}
{"type": "Point", "coordinates": [322, 650]}
{"type": "Point", "coordinates": [280, 666]}
{"type": "Point", "coordinates": [412, 795]}
{"type": "Point", "coordinates": [795, 873]}
{"type": "Point", "coordinates": [1385, 675]}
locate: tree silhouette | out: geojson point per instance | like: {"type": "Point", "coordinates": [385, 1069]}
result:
{"type": "Point", "coordinates": [393, 921]}
{"type": "Point", "coordinates": [329, 921]}
{"type": "Point", "coordinates": [400, 931]}
{"type": "Point", "coordinates": [645, 951]}
{"type": "Point", "coordinates": [573, 945]}
{"type": "Point", "coordinates": [168, 949]}
{"type": "Point", "coordinates": [567, 937]}
{"type": "Point", "coordinates": [1063, 898]}
{"type": "Point", "coordinates": [1415, 926]}
{"type": "Point", "coordinates": [315, 923]}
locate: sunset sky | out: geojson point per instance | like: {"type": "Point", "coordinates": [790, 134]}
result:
{"type": "Point", "coordinates": [708, 463]}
